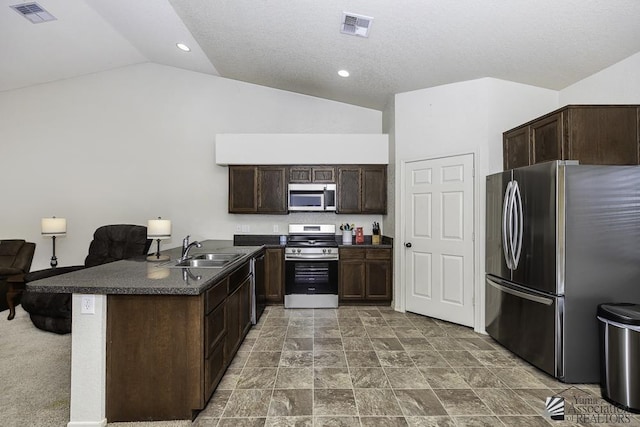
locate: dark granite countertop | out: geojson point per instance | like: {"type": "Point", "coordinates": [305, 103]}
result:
{"type": "Point", "coordinates": [272, 241]}
{"type": "Point", "coordinates": [139, 276]}
{"type": "Point", "coordinates": [366, 245]}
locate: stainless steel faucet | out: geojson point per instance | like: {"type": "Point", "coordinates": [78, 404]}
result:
{"type": "Point", "coordinates": [186, 247]}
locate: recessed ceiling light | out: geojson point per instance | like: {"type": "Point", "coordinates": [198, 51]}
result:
{"type": "Point", "coordinates": [184, 47]}
{"type": "Point", "coordinates": [343, 73]}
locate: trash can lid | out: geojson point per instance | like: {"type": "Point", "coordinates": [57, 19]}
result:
{"type": "Point", "coordinates": [622, 312]}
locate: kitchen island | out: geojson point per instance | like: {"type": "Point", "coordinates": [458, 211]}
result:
{"type": "Point", "coordinates": [150, 341]}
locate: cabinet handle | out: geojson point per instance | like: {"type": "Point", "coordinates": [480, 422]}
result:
{"type": "Point", "coordinates": [408, 244]}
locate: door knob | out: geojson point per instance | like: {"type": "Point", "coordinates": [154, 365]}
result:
{"type": "Point", "coordinates": [408, 244]}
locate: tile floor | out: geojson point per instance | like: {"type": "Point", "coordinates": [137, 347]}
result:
{"type": "Point", "coordinates": [372, 366]}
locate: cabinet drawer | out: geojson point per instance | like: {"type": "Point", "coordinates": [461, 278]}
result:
{"type": "Point", "coordinates": [352, 253]}
{"type": "Point", "coordinates": [215, 295]}
{"type": "Point", "coordinates": [378, 253]}
{"type": "Point", "coordinates": [214, 369]}
{"type": "Point", "coordinates": [215, 328]}
{"type": "Point", "coordinates": [237, 277]}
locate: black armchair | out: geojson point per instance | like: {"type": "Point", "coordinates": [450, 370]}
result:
{"type": "Point", "coordinates": [15, 261]}
{"type": "Point", "coordinates": [52, 311]}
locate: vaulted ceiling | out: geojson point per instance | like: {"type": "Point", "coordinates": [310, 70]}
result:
{"type": "Point", "coordinates": [297, 45]}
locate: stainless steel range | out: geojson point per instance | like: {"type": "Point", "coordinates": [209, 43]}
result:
{"type": "Point", "coordinates": [311, 266]}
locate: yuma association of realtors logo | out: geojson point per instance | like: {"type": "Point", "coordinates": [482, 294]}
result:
{"type": "Point", "coordinates": [576, 405]}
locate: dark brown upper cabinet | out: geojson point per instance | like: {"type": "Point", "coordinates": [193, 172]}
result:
{"type": "Point", "coordinates": [258, 189]}
{"type": "Point", "coordinates": [591, 134]}
{"type": "Point", "coordinates": [272, 189]}
{"type": "Point", "coordinates": [362, 189]}
{"type": "Point", "coordinates": [243, 189]}
{"type": "Point", "coordinates": [307, 174]}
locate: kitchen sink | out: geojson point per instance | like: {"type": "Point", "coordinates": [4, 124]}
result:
{"type": "Point", "coordinates": [217, 257]}
{"type": "Point", "coordinates": [210, 260]}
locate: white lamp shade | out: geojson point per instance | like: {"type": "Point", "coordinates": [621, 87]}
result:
{"type": "Point", "coordinates": [54, 226]}
{"type": "Point", "coordinates": [159, 229]}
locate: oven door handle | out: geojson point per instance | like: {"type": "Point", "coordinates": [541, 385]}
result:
{"type": "Point", "coordinates": [291, 257]}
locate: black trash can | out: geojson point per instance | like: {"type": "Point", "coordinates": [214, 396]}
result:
{"type": "Point", "coordinates": [620, 354]}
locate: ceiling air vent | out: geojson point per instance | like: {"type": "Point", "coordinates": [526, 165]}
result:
{"type": "Point", "coordinates": [356, 25]}
{"type": "Point", "coordinates": [33, 12]}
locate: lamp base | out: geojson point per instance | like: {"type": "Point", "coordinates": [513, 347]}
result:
{"type": "Point", "coordinates": [157, 258]}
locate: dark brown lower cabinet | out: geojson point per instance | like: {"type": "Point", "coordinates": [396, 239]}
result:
{"type": "Point", "coordinates": [365, 275]}
{"type": "Point", "coordinates": [238, 317]}
{"type": "Point", "coordinates": [154, 357]}
{"type": "Point", "coordinates": [274, 275]}
{"type": "Point", "coordinates": [167, 353]}
{"type": "Point", "coordinates": [215, 351]}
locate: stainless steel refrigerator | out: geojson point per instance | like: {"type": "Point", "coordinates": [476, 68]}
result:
{"type": "Point", "coordinates": [561, 239]}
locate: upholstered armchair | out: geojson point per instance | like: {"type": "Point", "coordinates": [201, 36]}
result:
{"type": "Point", "coordinates": [15, 261]}
{"type": "Point", "coordinates": [52, 311]}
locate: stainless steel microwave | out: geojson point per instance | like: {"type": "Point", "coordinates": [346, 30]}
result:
{"type": "Point", "coordinates": [312, 197]}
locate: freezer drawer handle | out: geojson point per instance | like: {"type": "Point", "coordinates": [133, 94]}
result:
{"type": "Point", "coordinates": [534, 298]}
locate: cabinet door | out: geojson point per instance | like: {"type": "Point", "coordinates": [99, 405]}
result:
{"type": "Point", "coordinates": [352, 280]}
{"type": "Point", "coordinates": [351, 274]}
{"type": "Point", "coordinates": [233, 325]}
{"type": "Point", "coordinates": [323, 174]}
{"type": "Point", "coordinates": [516, 148]}
{"type": "Point", "coordinates": [300, 174]}
{"type": "Point", "coordinates": [245, 307]}
{"type": "Point", "coordinates": [272, 189]}
{"type": "Point", "coordinates": [215, 344]}
{"type": "Point", "coordinates": [215, 328]}
{"type": "Point", "coordinates": [547, 139]}
{"type": "Point", "coordinates": [378, 285]}
{"type": "Point", "coordinates": [349, 189]}
{"type": "Point", "coordinates": [374, 189]}
{"type": "Point", "coordinates": [307, 174]}
{"type": "Point", "coordinates": [243, 189]}
{"type": "Point", "coordinates": [606, 135]}
{"type": "Point", "coordinates": [274, 275]}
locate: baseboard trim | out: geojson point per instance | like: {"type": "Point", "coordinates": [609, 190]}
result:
{"type": "Point", "coordinates": [102, 423]}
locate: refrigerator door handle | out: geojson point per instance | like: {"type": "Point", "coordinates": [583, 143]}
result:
{"type": "Point", "coordinates": [506, 229]}
{"type": "Point", "coordinates": [519, 211]}
{"type": "Point", "coordinates": [520, 294]}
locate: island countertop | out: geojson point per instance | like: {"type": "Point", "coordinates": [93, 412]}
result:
{"type": "Point", "coordinates": [137, 276]}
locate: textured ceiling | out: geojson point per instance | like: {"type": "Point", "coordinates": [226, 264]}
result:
{"type": "Point", "coordinates": [297, 45]}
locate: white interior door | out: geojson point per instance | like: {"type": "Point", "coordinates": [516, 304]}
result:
{"type": "Point", "coordinates": [438, 218]}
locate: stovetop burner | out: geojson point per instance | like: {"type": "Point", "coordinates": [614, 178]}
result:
{"type": "Point", "coordinates": [311, 241]}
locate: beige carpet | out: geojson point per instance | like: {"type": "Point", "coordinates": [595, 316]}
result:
{"type": "Point", "coordinates": [35, 376]}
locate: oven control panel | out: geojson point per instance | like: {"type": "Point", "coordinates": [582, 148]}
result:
{"type": "Point", "coordinates": [311, 254]}
{"type": "Point", "coordinates": [311, 250]}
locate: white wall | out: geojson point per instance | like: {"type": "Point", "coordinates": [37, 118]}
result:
{"type": "Point", "coordinates": [460, 118]}
{"type": "Point", "coordinates": [135, 143]}
{"type": "Point", "coordinates": [618, 84]}
{"type": "Point", "coordinates": [301, 148]}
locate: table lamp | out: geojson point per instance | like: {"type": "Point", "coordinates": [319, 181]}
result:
{"type": "Point", "coordinates": [158, 229]}
{"type": "Point", "coordinates": [54, 227]}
